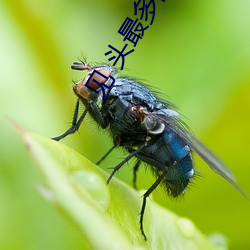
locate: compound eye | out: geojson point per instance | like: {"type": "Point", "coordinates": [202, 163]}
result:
{"type": "Point", "coordinates": [100, 77]}
{"type": "Point", "coordinates": [95, 79]}
{"type": "Point", "coordinates": [153, 126]}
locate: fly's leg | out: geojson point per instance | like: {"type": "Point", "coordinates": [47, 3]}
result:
{"type": "Point", "coordinates": [93, 109]}
{"type": "Point", "coordinates": [105, 155]}
{"type": "Point", "coordinates": [97, 114]}
{"type": "Point", "coordinates": [136, 167]}
{"type": "Point", "coordinates": [125, 160]}
{"type": "Point", "coordinates": [75, 124]}
{"type": "Point", "coordinates": [145, 196]}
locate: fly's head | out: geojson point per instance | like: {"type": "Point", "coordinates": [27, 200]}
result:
{"type": "Point", "coordinates": [86, 89]}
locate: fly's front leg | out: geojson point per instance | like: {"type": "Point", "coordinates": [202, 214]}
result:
{"type": "Point", "coordinates": [97, 114]}
{"type": "Point", "coordinates": [75, 123]}
{"type": "Point", "coordinates": [93, 109]}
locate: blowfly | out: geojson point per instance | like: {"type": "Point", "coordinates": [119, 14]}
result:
{"type": "Point", "coordinates": [148, 127]}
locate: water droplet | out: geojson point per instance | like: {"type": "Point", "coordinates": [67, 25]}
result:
{"type": "Point", "coordinates": [187, 227]}
{"type": "Point", "coordinates": [94, 185]}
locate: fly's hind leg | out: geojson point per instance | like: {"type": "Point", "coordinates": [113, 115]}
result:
{"type": "Point", "coordinates": [145, 196]}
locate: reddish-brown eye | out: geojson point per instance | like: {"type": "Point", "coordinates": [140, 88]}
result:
{"type": "Point", "coordinates": [100, 78]}
{"type": "Point", "coordinates": [90, 79]}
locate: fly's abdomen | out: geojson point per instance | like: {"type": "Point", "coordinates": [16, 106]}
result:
{"type": "Point", "coordinates": [170, 155]}
{"type": "Point", "coordinates": [180, 166]}
{"type": "Point", "coordinates": [178, 176]}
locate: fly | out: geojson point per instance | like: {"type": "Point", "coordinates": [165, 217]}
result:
{"type": "Point", "coordinates": [149, 128]}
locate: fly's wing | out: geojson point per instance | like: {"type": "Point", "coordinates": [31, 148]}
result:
{"type": "Point", "coordinates": [212, 160]}
{"type": "Point", "coordinates": [175, 124]}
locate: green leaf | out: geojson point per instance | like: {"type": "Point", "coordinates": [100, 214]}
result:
{"type": "Point", "coordinates": [107, 215]}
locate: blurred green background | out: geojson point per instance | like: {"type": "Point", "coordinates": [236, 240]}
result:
{"type": "Point", "coordinates": [196, 52]}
